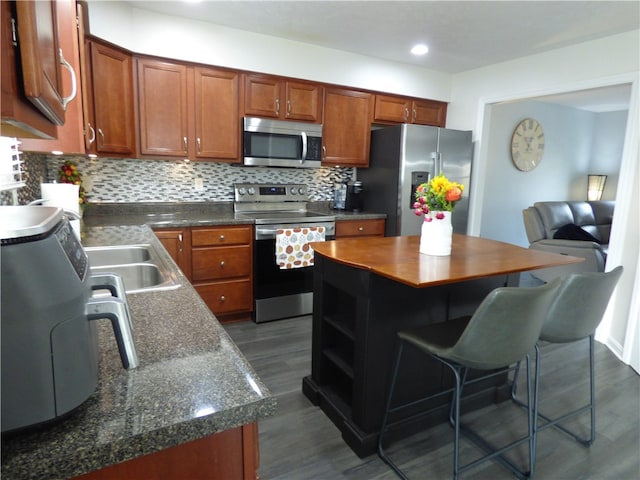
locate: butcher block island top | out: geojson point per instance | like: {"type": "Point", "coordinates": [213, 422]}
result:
{"type": "Point", "coordinates": [399, 259]}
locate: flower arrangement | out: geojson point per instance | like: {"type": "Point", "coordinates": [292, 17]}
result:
{"type": "Point", "coordinates": [437, 196]}
{"type": "Point", "coordinates": [69, 174]}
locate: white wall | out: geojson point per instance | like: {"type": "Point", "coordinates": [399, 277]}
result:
{"type": "Point", "coordinates": [155, 34]}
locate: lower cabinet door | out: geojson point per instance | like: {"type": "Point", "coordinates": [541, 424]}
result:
{"type": "Point", "coordinates": [227, 297]}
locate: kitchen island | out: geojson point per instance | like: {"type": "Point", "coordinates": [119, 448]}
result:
{"type": "Point", "coordinates": [191, 405]}
{"type": "Point", "coordinates": [365, 291]}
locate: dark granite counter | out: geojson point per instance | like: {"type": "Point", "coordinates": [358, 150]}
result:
{"type": "Point", "coordinates": [191, 214]}
{"type": "Point", "coordinates": [192, 382]}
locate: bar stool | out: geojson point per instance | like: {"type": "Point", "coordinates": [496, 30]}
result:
{"type": "Point", "coordinates": [502, 331]}
{"type": "Point", "coordinates": [574, 315]}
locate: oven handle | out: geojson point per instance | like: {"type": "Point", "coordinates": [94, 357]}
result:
{"type": "Point", "coordinates": [265, 232]}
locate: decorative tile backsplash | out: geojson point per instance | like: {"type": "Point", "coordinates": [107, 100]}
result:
{"type": "Point", "coordinates": [136, 180]}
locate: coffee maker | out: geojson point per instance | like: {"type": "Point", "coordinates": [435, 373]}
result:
{"type": "Point", "coordinates": [354, 200]}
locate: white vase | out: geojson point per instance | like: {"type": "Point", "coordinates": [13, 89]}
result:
{"type": "Point", "coordinates": [436, 233]}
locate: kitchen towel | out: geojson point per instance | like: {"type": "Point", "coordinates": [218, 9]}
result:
{"type": "Point", "coordinates": [292, 246]}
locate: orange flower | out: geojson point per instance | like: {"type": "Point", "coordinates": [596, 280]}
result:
{"type": "Point", "coordinates": [453, 195]}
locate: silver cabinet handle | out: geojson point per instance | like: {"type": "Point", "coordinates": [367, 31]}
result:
{"type": "Point", "coordinates": [74, 89]}
{"type": "Point", "coordinates": [406, 113]}
{"type": "Point", "coordinates": [180, 242]}
{"type": "Point", "coordinates": [324, 152]}
{"type": "Point", "coordinates": [414, 114]}
{"type": "Point", "coordinates": [93, 134]}
{"type": "Point", "coordinates": [184, 144]}
{"type": "Point", "coordinates": [199, 145]}
{"type": "Point", "coordinates": [288, 107]}
{"type": "Point", "coordinates": [277, 106]}
{"type": "Point", "coordinates": [101, 133]}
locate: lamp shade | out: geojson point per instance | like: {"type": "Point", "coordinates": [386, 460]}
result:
{"type": "Point", "coordinates": [595, 186]}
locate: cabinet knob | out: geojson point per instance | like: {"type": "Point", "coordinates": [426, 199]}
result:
{"type": "Point", "coordinates": [222, 263]}
{"type": "Point", "coordinates": [222, 299]}
{"type": "Point", "coordinates": [222, 238]}
{"type": "Point", "coordinates": [361, 229]}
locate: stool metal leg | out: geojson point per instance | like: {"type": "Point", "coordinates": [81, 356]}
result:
{"type": "Point", "coordinates": [555, 422]}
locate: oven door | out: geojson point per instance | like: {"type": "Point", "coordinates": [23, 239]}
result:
{"type": "Point", "coordinates": [280, 293]}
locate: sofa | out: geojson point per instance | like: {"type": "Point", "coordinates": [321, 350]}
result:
{"type": "Point", "coordinates": [576, 228]}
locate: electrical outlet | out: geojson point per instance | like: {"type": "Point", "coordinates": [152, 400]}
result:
{"type": "Point", "coordinates": [198, 183]}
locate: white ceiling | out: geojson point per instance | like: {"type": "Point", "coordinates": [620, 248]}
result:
{"type": "Point", "coordinates": [461, 35]}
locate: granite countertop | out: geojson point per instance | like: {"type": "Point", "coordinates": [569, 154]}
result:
{"type": "Point", "coordinates": [192, 214]}
{"type": "Point", "coordinates": [192, 382]}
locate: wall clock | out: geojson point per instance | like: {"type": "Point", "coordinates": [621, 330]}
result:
{"type": "Point", "coordinates": [527, 145]}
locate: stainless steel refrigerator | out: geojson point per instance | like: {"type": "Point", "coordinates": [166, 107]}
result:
{"type": "Point", "coordinates": [403, 157]}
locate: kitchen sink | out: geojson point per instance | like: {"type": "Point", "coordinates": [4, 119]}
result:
{"type": "Point", "coordinates": [136, 276]}
{"type": "Point", "coordinates": [139, 266]}
{"type": "Point", "coordinates": [118, 255]}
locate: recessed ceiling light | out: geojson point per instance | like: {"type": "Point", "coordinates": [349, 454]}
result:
{"type": "Point", "coordinates": [419, 49]}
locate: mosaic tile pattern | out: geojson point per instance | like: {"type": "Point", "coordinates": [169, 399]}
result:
{"type": "Point", "coordinates": [35, 167]}
{"type": "Point", "coordinates": [136, 180]}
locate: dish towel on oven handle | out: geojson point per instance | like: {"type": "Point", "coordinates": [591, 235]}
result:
{"type": "Point", "coordinates": [292, 246]}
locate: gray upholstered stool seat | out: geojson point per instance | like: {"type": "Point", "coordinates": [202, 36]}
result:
{"type": "Point", "coordinates": [503, 330]}
{"type": "Point", "coordinates": [574, 315]}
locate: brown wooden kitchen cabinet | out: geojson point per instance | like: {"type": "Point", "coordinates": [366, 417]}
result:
{"type": "Point", "coordinates": [229, 455]}
{"type": "Point", "coordinates": [69, 137]}
{"type": "Point", "coordinates": [188, 112]}
{"type": "Point", "coordinates": [222, 268]}
{"type": "Point", "coordinates": [20, 117]}
{"type": "Point", "coordinates": [360, 228]}
{"type": "Point", "coordinates": [177, 242]}
{"type": "Point", "coordinates": [108, 99]}
{"type": "Point", "coordinates": [346, 131]}
{"type": "Point", "coordinates": [288, 99]}
{"type": "Point", "coordinates": [391, 109]}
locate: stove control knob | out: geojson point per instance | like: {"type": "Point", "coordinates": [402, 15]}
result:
{"type": "Point", "coordinates": [293, 190]}
{"type": "Point", "coordinates": [301, 191]}
{"type": "Point", "coordinates": [251, 191]}
{"type": "Point", "coordinates": [242, 190]}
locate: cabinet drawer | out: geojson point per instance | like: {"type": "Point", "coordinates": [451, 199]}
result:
{"type": "Point", "coordinates": [227, 297]}
{"type": "Point", "coordinates": [221, 236]}
{"type": "Point", "coordinates": [360, 228]}
{"type": "Point", "coordinates": [217, 263]}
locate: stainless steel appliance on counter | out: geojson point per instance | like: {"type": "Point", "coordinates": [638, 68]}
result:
{"type": "Point", "coordinates": [281, 143]}
{"type": "Point", "coordinates": [279, 293]}
{"type": "Point", "coordinates": [49, 343]}
{"type": "Point", "coordinates": [354, 197]}
{"type": "Point", "coordinates": [403, 157]}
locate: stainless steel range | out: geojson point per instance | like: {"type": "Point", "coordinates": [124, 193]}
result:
{"type": "Point", "coordinates": [279, 293]}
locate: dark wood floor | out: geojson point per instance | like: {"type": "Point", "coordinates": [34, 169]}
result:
{"type": "Point", "coordinates": [300, 443]}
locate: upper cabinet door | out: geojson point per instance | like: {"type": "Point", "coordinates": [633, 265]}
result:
{"type": "Point", "coordinates": [303, 101]}
{"type": "Point", "coordinates": [112, 82]}
{"type": "Point", "coordinates": [262, 96]}
{"type": "Point", "coordinates": [275, 97]}
{"type": "Point", "coordinates": [162, 100]}
{"type": "Point", "coordinates": [217, 107]}
{"type": "Point", "coordinates": [392, 109]}
{"type": "Point", "coordinates": [41, 57]}
{"type": "Point", "coordinates": [346, 132]}
{"type": "Point", "coordinates": [429, 112]}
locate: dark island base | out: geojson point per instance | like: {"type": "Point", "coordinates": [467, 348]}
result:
{"type": "Point", "coordinates": [356, 317]}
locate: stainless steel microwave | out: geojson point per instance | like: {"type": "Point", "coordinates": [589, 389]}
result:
{"type": "Point", "coordinates": [281, 143]}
